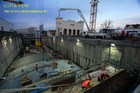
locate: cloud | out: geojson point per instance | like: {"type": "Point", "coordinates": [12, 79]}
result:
{"type": "Point", "coordinates": [133, 19]}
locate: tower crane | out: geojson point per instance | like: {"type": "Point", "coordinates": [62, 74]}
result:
{"type": "Point", "coordinates": [93, 15]}
{"type": "Point", "coordinates": [79, 12]}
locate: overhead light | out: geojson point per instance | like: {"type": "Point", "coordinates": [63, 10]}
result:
{"type": "Point", "coordinates": [10, 39]}
{"type": "Point", "coordinates": [62, 39]}
{"type": "Point", "coordinates": [78, 40]}
{"type": "Point", "coordinates": [112, 44]}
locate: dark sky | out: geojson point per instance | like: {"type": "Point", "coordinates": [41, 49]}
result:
{"type": "Point", "coordinates": [121, 12]}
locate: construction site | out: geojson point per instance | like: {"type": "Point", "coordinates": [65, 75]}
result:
{"type": "Point", "coordinates": [72, 60]}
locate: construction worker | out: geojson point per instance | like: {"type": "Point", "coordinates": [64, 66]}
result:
{"type": "Point", "coordinates": [36, 66]}
{"type": "Point", "coordinates": [103, 76]}
{"type": "Point", "coordinates": [86, 83]}
{"type": "Point", "coordinates": [22, 70]}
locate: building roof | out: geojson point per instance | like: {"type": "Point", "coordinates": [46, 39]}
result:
{"type": "Point", "coordinates": [135, 26]}
{"type": "Point", "coordinates": [59, 18]}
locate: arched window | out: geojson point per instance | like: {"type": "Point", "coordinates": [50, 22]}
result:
{"type": "Point", "coordinates": [130, 27]}
{"type": "Point", "coordinates": [2, 28]}
{"type": "Point", "coordinates": [65, 32]}
{"type": "Point", "coordinates": [70, 32]}
{"type": "Point", "coordinates": [60, 33]}
{"type": "Point", "coordinates": [74, 32]}
{"type": "Point", "coordinates": [78, 32]}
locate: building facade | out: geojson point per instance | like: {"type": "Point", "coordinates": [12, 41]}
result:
{"type": "Point", "coordinates": [5, 25]}
{"type": "Point", "coordinates": [132, 30]}
{"type": "Point", "coordinates": [69, 27]}
{"type": "Point", "coordinates": [132, 27]}
{"type": "Point", "coordinates": [51, 33]}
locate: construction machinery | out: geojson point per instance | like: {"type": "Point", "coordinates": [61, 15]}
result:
{"type": "Point", "coordinates": [94, 35]}
{"type": "Point", "coordinates": [38, 42]}
{"type": "Point", "coordinates": [93, 15]}
{"type": "Point", "coordinates": [79, 12]}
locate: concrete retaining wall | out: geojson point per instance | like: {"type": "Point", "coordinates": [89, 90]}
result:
{"type": "Point", "coordinates": [87, 52]}
{"type": "Point", "coordinates": [9, 48]}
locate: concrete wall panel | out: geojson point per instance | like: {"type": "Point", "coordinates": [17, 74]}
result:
{"type": "Point", "coordinates": [88, 52]}
{"type": "Point", "coordinates": [9, 49]}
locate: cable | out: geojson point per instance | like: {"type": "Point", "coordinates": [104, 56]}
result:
{"type": "Point", "coordinates": [42, 12]}
{"type": "Point", "coordinates": [40, 9]}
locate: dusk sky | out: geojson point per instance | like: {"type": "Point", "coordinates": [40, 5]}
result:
{"type": "Point", "coordinates": [121, 12]}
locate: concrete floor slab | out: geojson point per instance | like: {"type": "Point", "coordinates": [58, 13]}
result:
{"type": "Point", "coordinates": [14, 78]}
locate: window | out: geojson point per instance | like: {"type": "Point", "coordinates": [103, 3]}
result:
{"type": "Point", "coordinates": [69, 31]}
{"type": "Point", "coordinates": [72, 24]}
{"type": "Point", "coordinates": [78, 32]}
{"type": "Point", "coordinates": [65, 32]}
{"type": "Point", "coordinates": [74, 32]}
{"type": "Point", "coordinates": [2, 28]}
{"type": "Point", "coordinates": [130, 27]}
{"type": "Point", "coordinates": [60, 33]}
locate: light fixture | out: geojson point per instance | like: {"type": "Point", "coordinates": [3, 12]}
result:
{"type": "Point", "coordinates": [78, 40]}
{"type": "Point", "coordinates": [4, 42]}
{"type": "Point", "coordinates": [10, 39]}
{"type": "Point", "coordinates": [62, 39]}
{"type": "Point", "coordinates": [112, 45]}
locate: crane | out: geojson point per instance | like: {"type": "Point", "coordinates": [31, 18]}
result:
{"type": "Point", "coordinates": [15, 2]}
{"type": "Point", "coordinates": [79, 12]}
{"type": "Point", "coordinates": [93, 15]}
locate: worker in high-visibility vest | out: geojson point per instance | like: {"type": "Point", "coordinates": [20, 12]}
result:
{"type": "Point", "coordinates": [86, 83]}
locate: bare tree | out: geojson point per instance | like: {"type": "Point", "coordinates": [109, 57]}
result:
{"type": "Point", "coordinates": [106, 24]}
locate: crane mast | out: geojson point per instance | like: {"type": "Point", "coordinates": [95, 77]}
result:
{"type": "Point", "coordinates": [93, 15]}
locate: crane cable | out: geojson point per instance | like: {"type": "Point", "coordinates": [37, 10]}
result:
{"type": "Point", "coordinates": [41, 9]}
{"type": "Point", "coordinates": [42, 12]}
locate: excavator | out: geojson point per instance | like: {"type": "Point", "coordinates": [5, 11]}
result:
{"type": "Point", "coordinates": [15, 2]}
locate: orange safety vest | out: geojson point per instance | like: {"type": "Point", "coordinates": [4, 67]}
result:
{"type": "Point", "coordinates": [86, 83]}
